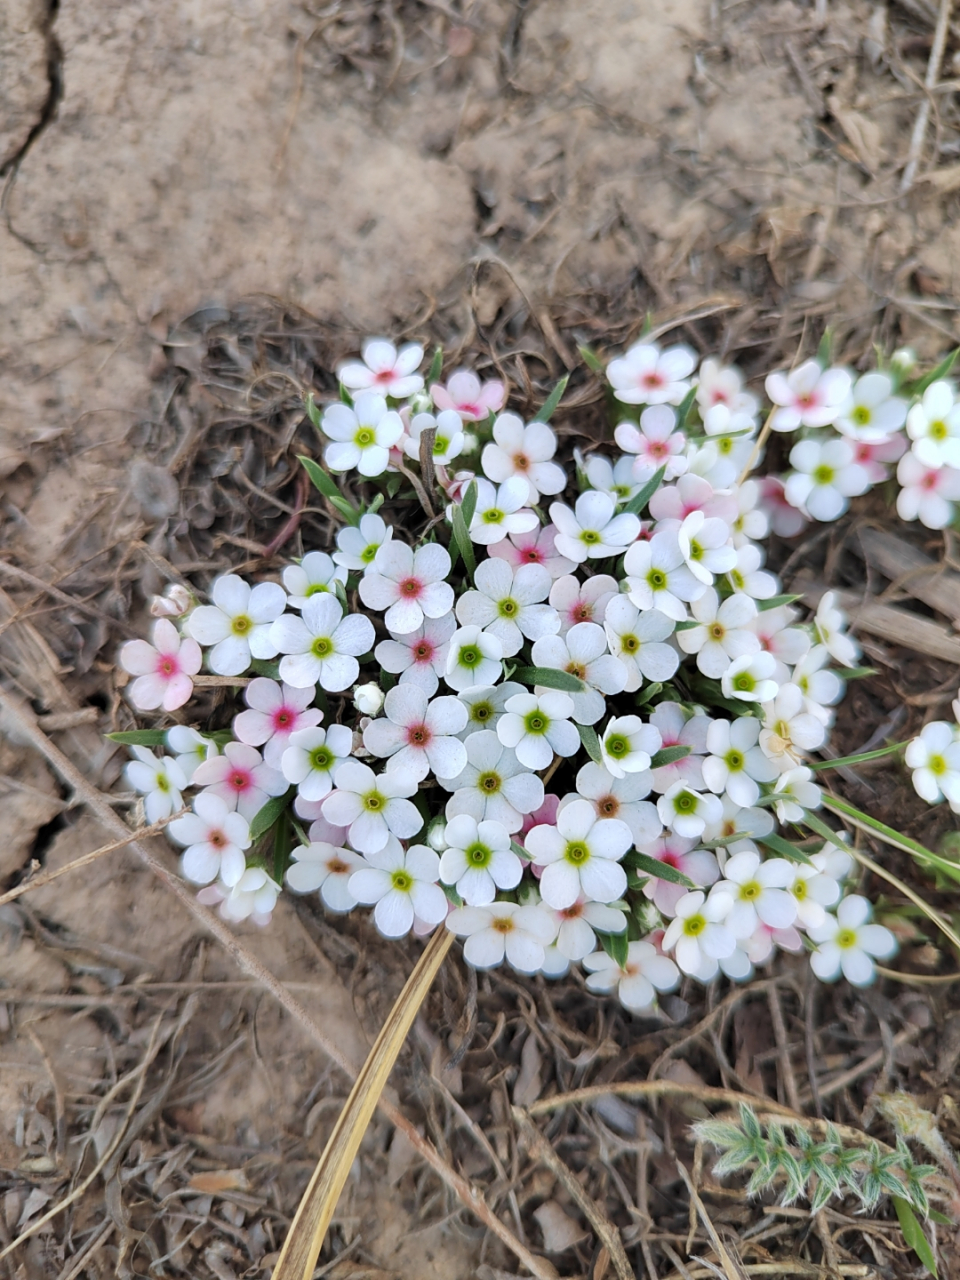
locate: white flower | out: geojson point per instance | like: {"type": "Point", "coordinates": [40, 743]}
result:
{"type": "Point", "coordinates": [825, 475]}
{"type": "Point", "coordinates": [723, 634]}
{"type": "Point", "coordinates": [536, 546]}
{"type": "Point", "coordinates": [580, 855]}
{"type": "Point", "coordinates": [795, 792]}
{"type": "Point", "coordinates": [810, 396]}
{"type": "Point", "coordinates": [312, 758]}
{"type": "Point", "coordinates": [934, 427]}
{"type": "Point", "coordinates": [524, 451]}
{"type": "Point", "coordinates": [216, 837]}
{"type": "Point", "coordinates": [586, 602]}
{"type": "Point", "coordinates": [500, 511]}
{"type": "Point", "coordinates": [736, 764]}
{"type": "Point", "coordinates": [751, 520]}
{"type": "Point", "coordinates": [419, 657]}
{"type": "Point", "coordinates": [688, 812]}
{"type": "Point", "coordinates": [163, 669]}
{"type": "Point", "coordinates": [385, 369]}
{"type": "Point", "coordinates": [644, 974]}
{"type": "Point", "coordinates": [934, 758]}
{"type": "Point", "coordinates": [485, 705]}
{"type": "Point", "coordinates": [190, 748]}
{"type": "Point", "coordinates": [747, 576]}
{"type": "Point", "coordinates": [159, 781]}
{"type": "Point", "coordinates": [830, 623]}
{"type": "Point", "coordinates": [674, 851]}
{"type": "Point", "coordinates": [657, 576]}
{"type": "Point", "coordinates": [327, 867]}
{"type": "Point", "coordinates": [750, 678]}
{"type": "Point", "coordinates": [503, 930]}
{"type": "Point", "coordinates": [697, 935]}
{"type": "Point", "coordinates": [677, 729]}
{"type": "Point", "coordinates": [361, 437]}
{"type": "Point", "coordinates": [402, 885]}
{"type": "Point", "coordinates": [628, 745]}
{"type": "Point", "coordinates": [252, 898]}
{"type": "Point", "coordinates": [409, 585]}
{"type": "Point", "coordinates": [848, 944]}
{"type": "Point", "coordinates": [621, 798]}
{"type": "Point", "coordinates": [315, 574]}
{"type": "Point", "coordinates": [537, 726]}
{"type": "Point", "coordinates": [654, 443]}
{"type": "Point", "coordinates": [238, 623]}
{"type": "Point", "coordinates": [472, 400]}
{"type": "Point", "coordinates": [722, 387]}
{"type": "Point", "coordinates": [616, 479]}
{"type": "Point", "coordinates": [593, 530]}
{"type": "Point", "coordinates": [474, 659]}
{"type": "Point", "coordinates": [820, 687]}
{"type": "Point", "coordinates": [759, 891]}
{"type": "Point", "coordinates": [788, 644]}
{"type": "Point", "coordinates": [508, 604]}
{"type": "Point", "coordinates": [583, 653]}
{"type": "Point", "coordinates": [645, 375]}
{"type": "Point", "coordinates": [368, 698]}
{"type": "Point", "coordinates": [576, 924]}
{"type": "Point", "coordinates": [704, 543]}
{"type": "Point", "coordinates": [926, 493]}
{"type": "Point", "coordinates": [722, 458]}
{"type": "Point", "coordinates": [789, 729]}
{"type": "Point", "coordinates": [374, 808]}
{"type": "Point", "coordinates": [812, 890]}
{"type": "Point", "coordinates": [275, 712]}
{"type": "Point", "coordinates": [478, 860]}
{"type": "Point", "coordinates": [357, 545]}
{"type": "Point", "coordinates": [494, 785]}
{"type": "Point", "coordinates": [240, 778]}
{"type": "Point", "coordinates": [447, 443]}
{"type": "Point", "coordinates": [321, 646]}
{"type": "Point", "coordinates": [871, 412]}
{"type": "Point", "coordinates": [637, 640]}
{"type": "Point", "coordinates": [418, 735]}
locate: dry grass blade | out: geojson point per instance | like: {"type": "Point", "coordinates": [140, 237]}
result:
{"type": "Point", "coordinates": [897, 626]}
{"type": "Point", "coordinates": [302, 1245]}
{"type": "Point", "coordinates": [731, 1267]}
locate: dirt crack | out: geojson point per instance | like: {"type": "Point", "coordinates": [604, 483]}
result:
{"type": "Point", "coordinates": [54, 66]}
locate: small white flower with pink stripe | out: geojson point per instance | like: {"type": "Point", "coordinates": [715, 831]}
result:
{"type": "Point", "coordinates": [655, 443]}
{"type": "Point", "coordinates": [420, 656]}
{"type": "Point", "coordinates": [241, 779]}
{"type": "Point", "coordinates": [409, 585]}
{"type": "Point", "coordinates": [163, 669]}
{"type": "Point", "coordinates": [275, 712]}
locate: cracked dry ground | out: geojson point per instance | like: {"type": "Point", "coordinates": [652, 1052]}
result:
{"type": "Point", "coordinates": [738, 162]}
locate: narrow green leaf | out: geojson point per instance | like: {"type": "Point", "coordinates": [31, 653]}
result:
{"type": "Point", "coordinates": [668, 755]}
{"type": "Point", "coordinates": [313, 412]}
{"type": "Point", "coordinates": [436, 367]}
{"type": "Point", "coordinates": [941, 371]}
{"type": "Point", "coordinates": [616, 945]}
{"type": "Point", "coordinates": [685, 408]}
{"type": "Point", "coordinates": [687, 624]}
{"type": "Point", "coordinates": [375, 505]}
{"type": "Point", "coordinates": [520, 851]}
{"type": "Point", "coordinates": [592, 360]}
{"type": "Point", "coordinates": [926, 857]}
{"type": "Point", "coordinates": [469, 504]}
{"type": "Point", "coordinates": [550, 678]}
{"type": "Point", "coordinates": [462, 538]}
{"type": "Point", "coordinates": [913, 1234]}
{"type": "Point", "coordinates": [591, 742]}
{"type": "Point", "coordinates": [857, 673]}
{"type": "Point", "coordinates": [341, 594]}
{"type": "Point", "coordinates": [637, 861]}
{"type": "Point", "coordinates": [647, 693]}
{"type": "Point", "coordinates": [320, 478]}
{"type": "Point", "coordinates": [393, 485]}
{"type": "Point", "coordinates": [784, 848]}
{"type": "Point", "coordinates": [264, 819]}
{"type": "Point", "coordinates": [140, 737]}
{"type": "Point", "coordinates": [640, 500]}
{"type": "Point", "coordinates": [345, 396]}
{"type": "Point", "coordinates": [346, 509]}
{"type": "Point", "coordinates": [940, 1218]}
{"type": "Point", "coordinates": [774, 602]}
{"type": "Point", "coordinates": [860, 758]}
{"type": "Point", "coordinates": [268, 667]}
{"type": "Point", "coordinates": [547, 412]}
{"type": "Point", "coordinates": [820, 828]}
{"type": "Point", "coordinates": [825, 348]}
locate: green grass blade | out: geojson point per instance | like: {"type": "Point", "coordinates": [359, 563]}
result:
{"type": "Point", "coordinates": [860, 758]}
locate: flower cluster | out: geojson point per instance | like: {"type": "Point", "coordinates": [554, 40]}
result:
{"type": "Point", "coordinates": [566, 720]}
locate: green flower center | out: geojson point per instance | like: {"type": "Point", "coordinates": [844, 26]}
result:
{"type": "Point", "coordinates": [824, 474]}
{"type": "Point", "coordinates": [373, 802]}
{"type": "Point", "coordinates": [321, 758]}
{"type": "Point", "coordinates": [489, 783]}
{"type": "Point", "coordinates": [478, 855]}
{"type": "Point", "coordinates": [369, 553]}
{"type": "Point", "coordinates": [622, 491]}
{"type": "Point", "coordinates": [725, 445]}
{"type": "Point", "coordinates": [322, 647]}
{"type": "Point", "coordinates": [493, 515]}
{"type": "Point", "coordinates": [162, 782]}
{"type": "Point", "coordinates": [629, 644]}
{"type": "Point", "coordinates": [860, 415]}
{"type": "Point", "coordinates": [241, 625]}
{"type": "Point", "coordinates": [939, 430]}
{"type": "Point", "coordinates": [536, 722]}
{"type": "Point", "coordinates": [744, 682]}
{"type": "Point", "coordinates": [800, 890]}
{"type": "Point", "coordinates": [470, 656]}
{"type": "Point", "coordinates": [617, 746]}
{"type": "Point", "coordinates": [315, 588]}
{"type": "Point", "coordinates": [751, 890]}
{"type": "Point", "coordinates": [441, 444]}
{"type": "Point", "coordinates": [696, 551]}
{"type": "Point", "coordinates": [365, 437]}
{"type": "Point", "coordinates": [694, 925]}
{"type": "Point", "coordinates": [684, 802]}
{"type": "Point", "coordinates": [481, 712]}
{"type": "Point", "coordinates": [577, 852]}
{"type": "Point", "coordinates": [402, 880]}
{"type": "Point", "coordinates": [657, 579]}
{"type": "Point", "coordinates": [716, 630]}
{"type": "Point", "coordinates": [736, 577]}
{"type": "Point", "coordinates": [590, 537]}
{"type": "Point", "coordinates": [509, 608]}
{"type": "Point", "coordinates": [937, 765]}
{"type": "Point", "coordinates": [846, 938]}
{"type": "Point", "coordinates": [734, 760]}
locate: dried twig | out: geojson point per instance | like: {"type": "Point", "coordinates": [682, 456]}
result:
{"type": "Point", "coordinates": [929, 83]}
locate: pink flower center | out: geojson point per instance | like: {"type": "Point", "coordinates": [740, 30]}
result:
{"type": "Point", "coordinates": [582, 612]}
{"type": "Point", "coordinates": [574, 912]}
{"type": "Point", "coordinates": [652, 380]}
{"type": "Point", "coordinates": [720, 397]}
{"type": "Point", "coordinates": [657, 449]}
{"type": "Point", "coordinates": [532, 555]}
{"type": "Point", "coordinates": [384, 377]}
{"type": "Point", "coordinates": [167, 666]}
{"type": "Point", "coordinates": [411, 588]}
{"type": "Point", "coordinates": [929, 481]}
{"type": "Point", "coordinates": [240, 780]}
{"type": "Point", "coordinates": [423, 651]}
{"type": "Point", "coordinates": [808, 401]}
{"type": "Point", "coordinates": [670, 859]}
{"type": "Point", "coordinates": [521, 462]}
{"type": "Point", "coordinates": [418, 735]}
{"type": "Point", "coordinates": [217, 839]}
{"type": "Point", "coordinates": [283, 719]}
{"type": "Point", "coordinates": [471, 410]}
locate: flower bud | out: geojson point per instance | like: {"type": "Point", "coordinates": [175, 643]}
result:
{"type": "Point", "coordinates": [471, 442]}
{"type": "Point", "coordinates": [368, 699]}
{"type": "Point", "coordinates": [437, 836]}
{"type": "Point", "coordinates": [174, 602]}
{"type": "Point", "coordinates": [904, 360]}
{"type": "Point", "coordinates": [422, 402]}
{"type": "Point", "coordinates": [458, 486]}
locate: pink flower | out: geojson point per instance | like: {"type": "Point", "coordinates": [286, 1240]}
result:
{"type": "Point", "coordinates": [647, 375]}
{"type": "Point", "coordinates": [385, 369]}
{"type": "Point", "coordinates": [926, 494]}
{"type": "Point", "coordinates": [419, 657]}
{"type": "Point", "coordinates": [535, 547]}
{"type": "Point", "coordinates": [809, 396]}
{"type": "Point", "coordinates": [692, 493]}
{"type": "Point", "coordinates": [473, 400]}
{"type": "Point", "coordinates": [241, 779]}
{"type": "Point", "coordinates": [163, 669]}
{"type": "Point", "coordinates": [545, 815]}
{"type": "Point", "coordinates": [582, 602]}
{"type": "Point", "coordinates": [410, 585]}
{"type": "Point", "coordinates": [457, 485]}
{"type": "Point", "coordinates": [872, 456]}
{"type": "Point", "coordinates": [655, 442]}
{"type": "Point", "coordinates": [696, 864]}
{"type": "Point", "coordinates": [785, 520]}
{"type": "Point", "coordinates": [275, 712]}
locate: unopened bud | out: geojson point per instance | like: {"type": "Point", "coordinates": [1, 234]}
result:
{"type": "Point", "coordinates": [458, 486]}
{"type": "Point", "coordinates": [471, 442]}
{"type": "Point", "coordinates": [437, 836]}
{"type": "Point", "coordinates": [904, 359]}
{"type": "Point", "coordinates": [174, 602]}
{"type": "Point", "coordinates": [422, 402]}
{"type": "Point", "coordinates": [368, 699]}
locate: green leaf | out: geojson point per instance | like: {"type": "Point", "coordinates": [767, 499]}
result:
{"type": "Point", "coordinates": [547, 412]}
{"type": "Point", "coordinates": [686, 407]}
{"type": "Point", "coordinates": [687, 624]}
{"type": "Point", "coordinates": [774, 602]}
{"type": "Point", "coordinates": [267, 667]}
{"type": "Point", "coordinates": [591, 742]}
{"type": "Point", "coordinates": [393, 485]}
{"type": "Point", "coordinates": [346, 509]}
{"type": "Point", "coordinates": [616, 945]}
{"type": "Point", "coordinates": [549, 678]}
{"type": "Point", "coordinates": [925, 857]}
{"type": "Point", "coordinates": [650, 691]}
{"type": "Point", "coordinates": [313, 413]}
{"type": "Point", "coordinates": [941, 371]}
{"type": "Point", "coordinates": [264, 819]}
{"type": "Point", "coordinates": [784, 848]}
{"type": "Point", "coordinates": [140, 737]}
{"type": "Point", "coordinates": [637, 861]}
{"type": "Point", "coordinates": [341, 594]}
{"type": "Point", "coordinates": [345, 396]}
{"type": "Point", "coordinates": [375, 505]}
{"type": "Point", "coordinates": [913, 1234]}
{"type": "Point", "coordinates": [436, 367]}
{"type": "Point", "coordinates": [668, 755]}
{"type": "Point", "coordinates": [857, 673]}
{"type": "Point", "coordinates": [640, 500]}
{"type": "Point", "coordinates": [469, 504]}
{"type": "Point", "coordinates": [825, 348]}
{"type": "Point", "coordinates": [462, 539]}
{"type": "Point", "coordinates": [940, 1218]}
{"type": "Point", "coordinates": [520, 851]}
{"type": "Point", "coordinates": [320, 478]}
{"type": "Point", "coordinates": [860, 758]}
{"type": "Point", "coordinates": [592, 360]}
